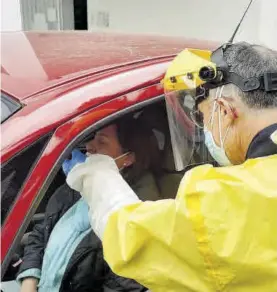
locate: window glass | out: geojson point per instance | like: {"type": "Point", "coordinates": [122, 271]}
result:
{"type": "Point", "coordinates": [8, 107]}
{"type": "Point", "coordinates": [14, 173]}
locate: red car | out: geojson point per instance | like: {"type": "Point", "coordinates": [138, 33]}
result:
{"type": "Point", "coordinates": [57, 89]}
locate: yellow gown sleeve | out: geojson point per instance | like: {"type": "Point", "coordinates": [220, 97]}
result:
{"type": "Point", "coordinates": [141, 242]}
{"type": "Point", "coordinates": [154, 243]}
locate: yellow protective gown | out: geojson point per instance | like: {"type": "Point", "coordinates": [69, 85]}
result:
{"type": "Point", "coordinates": [219, 234]}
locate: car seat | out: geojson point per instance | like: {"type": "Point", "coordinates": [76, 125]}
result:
{"type": "Point", "coordinates": [168, 180]}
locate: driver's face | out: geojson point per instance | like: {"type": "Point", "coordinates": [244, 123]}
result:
{"type": "Point", "coordinates": [105, 142]}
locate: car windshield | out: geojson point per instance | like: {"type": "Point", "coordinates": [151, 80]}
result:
{"type": "Point", "coordinates": [8, 107]}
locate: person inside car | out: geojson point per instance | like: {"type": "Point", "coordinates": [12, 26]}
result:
{"type": "Point", "coordinates": [63, 253]}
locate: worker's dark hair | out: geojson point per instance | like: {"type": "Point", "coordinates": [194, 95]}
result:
{"type": "Point", "coordinates": [135, 136]}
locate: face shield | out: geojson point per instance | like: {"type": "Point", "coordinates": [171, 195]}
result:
{"type": "Point", "coordinates": [186, 129]}
{"type": "Point", "coordinates": [184, 89]}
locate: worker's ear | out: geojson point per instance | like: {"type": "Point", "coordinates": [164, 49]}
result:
{"type": "Point", "coordinates": [227, 110]}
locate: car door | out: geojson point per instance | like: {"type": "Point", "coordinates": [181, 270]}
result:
{"type": "Point", "coordinates": [49, 161]}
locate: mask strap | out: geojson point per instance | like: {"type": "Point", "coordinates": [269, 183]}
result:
{"type": "Point", "coordinates": [115, 159]}
{"type": "Point", "coordinates": [222, 140]}
{"type": "Point", "coordinates": [122, 155]}
{"type": "Point", "coordinates": [211, 121]}
{"type": "Point", "coordinates": [215, 105]}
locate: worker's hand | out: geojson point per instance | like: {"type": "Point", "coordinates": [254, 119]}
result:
{"type": "Point", "coordinates": [29, 285]}
{"type": "Point", "coordinates": [97, 166]}
{"type": "Point", "coordinates": [102, 187]}
{"type": "Point", "coordinates": [77, 157]}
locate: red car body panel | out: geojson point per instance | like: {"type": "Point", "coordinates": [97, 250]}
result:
{"type": "Point", "coordinates": [45, 112]}
{"type": "Point", "coordinates": [67, 82]}
{"type": "Point", "coordinates": [58, 142]}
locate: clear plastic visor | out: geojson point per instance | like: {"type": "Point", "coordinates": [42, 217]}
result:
{"type": "Point", "coordinates": [186, 129]}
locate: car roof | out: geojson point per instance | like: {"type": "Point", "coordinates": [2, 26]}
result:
{"type": "Point", "coordinates": [59, 75]}
{"type": "Point", "coordinates": [35, 61]}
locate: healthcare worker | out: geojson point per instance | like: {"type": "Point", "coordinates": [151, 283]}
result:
{"type": "Point", "coordinates": [220, 233]}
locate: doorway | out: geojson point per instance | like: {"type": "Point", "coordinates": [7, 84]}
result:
{"type": "Point", "coordinates": [80, 15]}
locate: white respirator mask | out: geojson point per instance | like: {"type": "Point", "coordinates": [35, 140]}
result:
{"type": "Point", "coordinates": [115, 159]}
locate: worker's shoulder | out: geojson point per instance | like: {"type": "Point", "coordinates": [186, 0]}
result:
{"type": "Point", "coordinates": [254, 176]}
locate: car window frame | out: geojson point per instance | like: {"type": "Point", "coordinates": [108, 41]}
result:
{"type": "Point", "coordinates": [63, 155]}
{"type": "Point", "coordinates": [10, 99]}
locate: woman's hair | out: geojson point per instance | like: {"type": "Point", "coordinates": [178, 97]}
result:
{"type": "Point", "coordinates": [135, 136]}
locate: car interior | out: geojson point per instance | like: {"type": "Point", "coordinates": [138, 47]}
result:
{"type": "Point", "coordinates": [155, 116]}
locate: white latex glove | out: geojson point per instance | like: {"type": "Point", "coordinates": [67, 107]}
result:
{"type": "Point", "coordinates": [103, 188]}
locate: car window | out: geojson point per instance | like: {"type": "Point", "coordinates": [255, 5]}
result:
{"type": "Point", "coordinates": [15, 171]}
{"type": "Point", "coordinates": [8, 107]}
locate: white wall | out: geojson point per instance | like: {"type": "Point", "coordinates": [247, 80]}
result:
{"type": "Point", "coordinates": [213, 19]}
{"type": "Point", "coordinates": [67, 13]}
{"type": "Point", "coordinates": [47, 14]}
{"type": "Point", "coordinates": [36, 15]}
{"type": "Point", "coordinates": [268, 24]}
{"type": "Point", "coordinates": [10, 15]}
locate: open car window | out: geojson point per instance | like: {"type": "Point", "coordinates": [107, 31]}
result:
{"type": "Point", "coordinates": [8, 107]}
{"type": "Point", "coordinates": [14, 173]}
